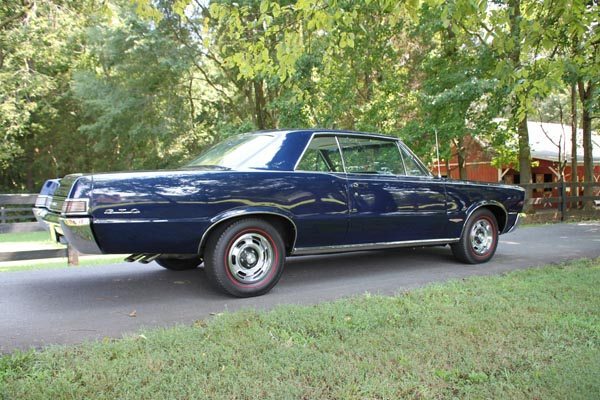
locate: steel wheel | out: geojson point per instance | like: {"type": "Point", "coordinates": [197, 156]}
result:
{"type": "Point", "coordinates": [245, 258]}
{"type": "Point", "coordinates": [479, 238]}
{"type": "Point", "coordinates": [250, 258]}
{"type": "Point", "coordinates": [482, 236]}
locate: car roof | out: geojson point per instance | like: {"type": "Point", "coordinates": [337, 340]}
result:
{"type": "Point", "coordinates": [318, 130]}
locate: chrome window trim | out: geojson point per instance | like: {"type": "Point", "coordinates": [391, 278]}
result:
{"type": "Point", "coordinates": [401, 145]}
{"type": "Point", "coordinates": [337, 134]}
{"type": "Point", "coordinates": [370, 246]}
{"type": "Point", "coordinates": [245, 214]}
{"type": "Point", "coordinates": [337, 140]}
{"type": "Point", "coordinates": [401, 157]}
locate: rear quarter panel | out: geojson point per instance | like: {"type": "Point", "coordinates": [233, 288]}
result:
{"type": "Point", "coordinates": [169, 211]}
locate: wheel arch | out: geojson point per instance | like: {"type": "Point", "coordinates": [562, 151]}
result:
{"type": "Point", "coordinates": [282, 222]}
{"type": "Point", "coordinates": [495, 208]}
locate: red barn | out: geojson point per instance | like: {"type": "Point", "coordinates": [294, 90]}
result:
{"type": "Point", "coordinates": [548, 143]}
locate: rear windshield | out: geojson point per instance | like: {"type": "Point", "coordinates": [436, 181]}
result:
{"type": "Point", "coordinates": [239, 152]}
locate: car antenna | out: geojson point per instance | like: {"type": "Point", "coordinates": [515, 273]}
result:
{"type": "Point", "coordinates": [437, 150]}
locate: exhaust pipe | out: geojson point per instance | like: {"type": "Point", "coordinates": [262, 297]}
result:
{"type": "Point", "coordinates": [134, 257]}
{"type": "Point", "coordinates": [148, 258]}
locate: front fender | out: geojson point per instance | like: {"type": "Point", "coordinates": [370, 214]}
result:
{"type": "Point", "coordinates": [475, 206]}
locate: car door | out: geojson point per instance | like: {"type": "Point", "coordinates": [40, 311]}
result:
{"type": "Point", "coordinates": [322, 219]}
{"type": "Point", "coordinates": [392, 197]}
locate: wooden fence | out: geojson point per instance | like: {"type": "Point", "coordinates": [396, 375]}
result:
{"type": "Point", "coordinates": [16, 208]}
{"type": "Point", "coordinates": [557, 196]}
{"type": "Point", "coordinates": [16, 217]}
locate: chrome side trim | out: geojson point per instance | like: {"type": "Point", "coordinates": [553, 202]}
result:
{"type": "Point", "coordinates": [371, 246]}
{"type": "Point", "coordinates": [126, 221]}
{"type": "Point", "coordinates": [244, 214]}
{"type": "Point", "coordinates": [483, 204]}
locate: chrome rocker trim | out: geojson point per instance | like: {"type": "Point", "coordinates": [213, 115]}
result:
{"type": "Point", "coordinates": [301, 251]}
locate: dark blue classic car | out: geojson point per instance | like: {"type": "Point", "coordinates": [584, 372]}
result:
{"type": "Point", "coordinates": [42, 204]}
{"type": "Point", "coordinates": [251, 201]}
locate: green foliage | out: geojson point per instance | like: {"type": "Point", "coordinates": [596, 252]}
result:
{"type": "Point", "coordinates": [122, 84]}
{"type": "Point", "coordinates": [134, 100]}
{"type": "Point", "coordinates": [527, 334]}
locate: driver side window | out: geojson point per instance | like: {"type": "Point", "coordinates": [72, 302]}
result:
{"type": "Point", "coordinates": [371, 156]}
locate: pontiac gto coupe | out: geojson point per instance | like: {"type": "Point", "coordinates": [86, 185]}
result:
{"type": "Point", "coordinates": [251, 201]}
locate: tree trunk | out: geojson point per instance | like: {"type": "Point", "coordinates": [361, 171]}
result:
{"type": "Point", "coordinates": [260, 104]}
{"type": "Point", "coordinates": [461, 157]}
{"type": "Point", "coordinates": [524, 151]}
{"type": "Point", "coordinates": [585, 95]}
{"type": "Point", "coordinates": [574, 175]}
{"type": "Point", "coordinates": [518, 115]}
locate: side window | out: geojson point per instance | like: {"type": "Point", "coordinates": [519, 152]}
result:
{"type": "Point", "coordinates": [322, 155]}
{"type": "Point", "coordinates": [371, 156]}
{"type": "Point", "coordinates": [412, 164]}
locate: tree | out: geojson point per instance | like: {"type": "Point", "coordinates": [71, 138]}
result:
{"type": "Point", "coordinates": [39, 47]}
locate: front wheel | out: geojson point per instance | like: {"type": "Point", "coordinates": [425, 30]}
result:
{"type": "Point", "coordinates": [245, 258]}
{"type": "Point", "coordinates": [479, 239]}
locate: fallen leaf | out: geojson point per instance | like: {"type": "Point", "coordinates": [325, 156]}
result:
{"type": "Point", "coordinates": [133, 314]}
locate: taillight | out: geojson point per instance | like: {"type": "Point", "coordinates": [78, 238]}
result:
{"type": "Point", "coordinates": [75, 206]}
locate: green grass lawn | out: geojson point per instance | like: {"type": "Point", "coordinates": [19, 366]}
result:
{"type": "Point", "coordinates": [40, 236]}
{"type": "Point", "coordinates": [532, 334]}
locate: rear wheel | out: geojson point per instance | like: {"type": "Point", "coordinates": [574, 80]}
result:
{"type": "Point", "coordinates": [245, 258]}
{"type": "Point", "coordinates": [179, 263]}
{"type": "Point", "coordinates": [479, 239]}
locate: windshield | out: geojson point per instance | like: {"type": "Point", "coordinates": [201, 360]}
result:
{"type": "Point", "coordinates": [245, 151]}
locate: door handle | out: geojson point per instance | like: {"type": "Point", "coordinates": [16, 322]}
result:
{"type": "Point", "coordinates": [356, 185]}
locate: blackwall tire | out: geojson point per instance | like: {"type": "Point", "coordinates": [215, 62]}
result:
{"type": "Point", "coordinates": [245, 258]}
{"type": "Point", "coordinates": [479, 239]}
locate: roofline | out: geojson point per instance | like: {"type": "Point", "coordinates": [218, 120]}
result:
{"type": "Point", "coordinates": [324, 130]}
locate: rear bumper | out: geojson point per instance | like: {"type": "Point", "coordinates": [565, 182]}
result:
{"type": "Point", "coordinates": [39, 214]}
{"type": "Point", "coordinates": [51, 221]}
{"type": "Point", "coordinates": [78, 231]}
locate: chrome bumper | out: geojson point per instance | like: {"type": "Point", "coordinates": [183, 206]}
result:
{"type": "Point", "coordinates": [78, 232]}
{"type": "Point", "coordinates": [52, 224]}
{"type": "Point", "coordinates": [39, 214]}
{"type": "Point", "coordinates": [515, 225]}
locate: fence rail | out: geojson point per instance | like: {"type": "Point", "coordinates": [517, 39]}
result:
{"type": "Point", "coordinates": [558, 196]}
{"type": "Point", "coordinates": [16, 208]}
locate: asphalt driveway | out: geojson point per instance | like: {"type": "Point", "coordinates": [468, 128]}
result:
{"type": "Point", "coordinates": [72, 305]}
